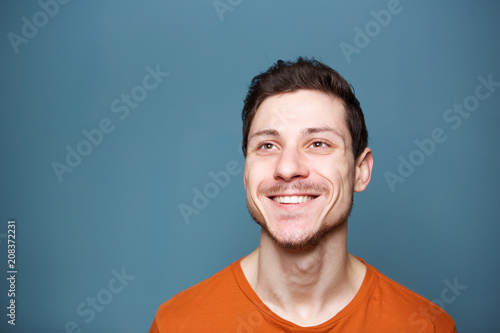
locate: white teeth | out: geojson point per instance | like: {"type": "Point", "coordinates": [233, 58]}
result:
{"type": "Point", "coordinates": [293, 199]}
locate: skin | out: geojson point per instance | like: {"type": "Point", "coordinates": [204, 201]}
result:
{"type": "Point", "coordinates": [299, 145]}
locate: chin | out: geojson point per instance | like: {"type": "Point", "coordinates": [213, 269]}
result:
{"type": "Point", "coordinates": [297, 238]}
{"type": "Point", "coordinates": [305, 241]}
{"type": "Point", "coordinates": [295, 242]}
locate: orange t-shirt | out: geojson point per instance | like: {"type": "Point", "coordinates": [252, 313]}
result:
{"type": "Point", "coordinates": [226, 302]}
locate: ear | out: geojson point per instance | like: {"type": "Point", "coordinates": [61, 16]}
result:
{"type": "Point", "coordinates": [363, 170]}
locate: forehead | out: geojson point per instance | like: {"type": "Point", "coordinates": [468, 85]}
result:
{"type": "Point", "coordinates": [294, 111]}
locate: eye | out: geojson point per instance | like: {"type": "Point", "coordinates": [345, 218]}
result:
{"type": "Point", "coordinates": [267, 146]}
{"type": "Point", "coordinates": [318, 144]}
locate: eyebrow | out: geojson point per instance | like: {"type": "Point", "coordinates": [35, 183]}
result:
{"type": "Point", "coordinates": [314, 130]}
{"type": "Point", "coordinates": [264, 132]}
{"type": "Point", "coordinates": [305, 132]}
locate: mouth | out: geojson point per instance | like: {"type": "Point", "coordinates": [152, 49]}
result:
{"type": "Point", "coordinates": [293, 199]}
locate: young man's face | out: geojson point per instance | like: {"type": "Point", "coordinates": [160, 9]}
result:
{"type": "Point", "coordinates": [299, 170]}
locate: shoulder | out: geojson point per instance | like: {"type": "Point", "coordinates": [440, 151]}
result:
{"type": "Point", "coordinates": [411, 308]}
{"type": "Point", "coordinates": [203, 297]}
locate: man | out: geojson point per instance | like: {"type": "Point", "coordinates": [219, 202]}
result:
{"type": "Point", "coordinates": [305, 147]}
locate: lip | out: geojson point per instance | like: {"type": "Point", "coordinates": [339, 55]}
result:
{"type": "Point", "coordinates": [292, 194]}
{"type": "Point", "coordinates": [295, 207]}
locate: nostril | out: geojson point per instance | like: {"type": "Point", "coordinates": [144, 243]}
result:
{"type": "Point", "coordinates": [290, 168]}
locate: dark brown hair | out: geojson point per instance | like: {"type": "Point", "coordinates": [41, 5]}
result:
{"type": "Point", "coordinates": [288, 76]}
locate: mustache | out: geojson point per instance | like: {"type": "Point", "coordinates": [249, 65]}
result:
{"type": "Point", "coordinates": [299, 186]}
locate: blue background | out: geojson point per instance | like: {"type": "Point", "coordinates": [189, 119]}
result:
{"type": "Point", "coordinates": [119, 208]}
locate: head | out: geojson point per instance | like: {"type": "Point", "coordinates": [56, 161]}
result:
{"type": "Point", "coordinates": [287, 76]}
{"type": "Point", "coordinates": [305, 144]}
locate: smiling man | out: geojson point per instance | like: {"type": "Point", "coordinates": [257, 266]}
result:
{"type": "Point", "coordinates": [305, 146]}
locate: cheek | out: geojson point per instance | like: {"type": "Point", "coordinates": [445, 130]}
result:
{"type": "Point", "coordinates": [247, 174]}
{"type": "Point", "coordinates": [255, 173]}
{"type": "Point", "coordinates": [338, 176]}
{"type": "Point", "coordinates": [251, 185]}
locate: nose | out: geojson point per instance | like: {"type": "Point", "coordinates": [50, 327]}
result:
{"type": "Point", "coordinates": [291, 165]}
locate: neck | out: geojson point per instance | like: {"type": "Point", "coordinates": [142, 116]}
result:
{"type": "Point", "coordinates": [309, 287]}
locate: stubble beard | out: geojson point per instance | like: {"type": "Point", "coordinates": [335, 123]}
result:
{"type": "Point", "coordinates": [311, 241]}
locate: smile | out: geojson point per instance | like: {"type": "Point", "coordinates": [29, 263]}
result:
{"type": "Point", "coordinates": [294, 199]}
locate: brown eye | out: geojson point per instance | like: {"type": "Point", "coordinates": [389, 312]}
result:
{"type": "Point", "coordinates": [267, 146]}
{"type": "Point", "coordinates": [318, 144]}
